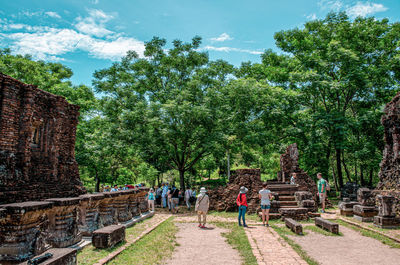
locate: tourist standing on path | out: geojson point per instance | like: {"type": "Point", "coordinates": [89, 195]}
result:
{"type": "Point", "coordinates": [150, 199]}
{"type": "Point", "coordinates": [202, 205]}
{"type": "Point", "coordinates": [158, 196]}
{"type": "Point", "coordinates": [174, 193]}
{"type": "Point", "coordinates": [188, 195]}
{"type": "Point", "coordinates": [266, 197]}
{"type": "Point", "coordinates": [164, 194]}
{"type": "Point", "coordinates": [293, 179]}
{"type": "Point", "coordinates": [321, 191]}
{"type": "Point", "coordinates": [241, 201]}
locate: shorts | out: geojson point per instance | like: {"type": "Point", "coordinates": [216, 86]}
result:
{"type": "Point", "coordinates": [322, 196]}
{"type": "Point", "coordinates": [265, 207]}
{"type": "Point", "coordinates": [175, 202]}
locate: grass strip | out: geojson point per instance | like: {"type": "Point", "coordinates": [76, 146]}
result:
{"type": "Point", "coordinates": [284, 232]}
{"type": "Point", "coordinates": [90, 255]}
{"type": "Point", "coordinates": [237, 238]}
{"type": "Point", "coordinates": [385, 240]}
{"type": "Point", "coordinates": [153, 248]}
{"type": "Point", "coordinates": [321, 231]}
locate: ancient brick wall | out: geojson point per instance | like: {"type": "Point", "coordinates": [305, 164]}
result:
{"type": "Point", "coordinates": [289, 164]}
{"type": "Point", "coordinates": [389, 175]}
{"type": "Point", "coordinates": [37, 142]}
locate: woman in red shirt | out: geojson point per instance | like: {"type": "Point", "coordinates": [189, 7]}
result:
{"type": "Point", "coordinates": [241, 201]}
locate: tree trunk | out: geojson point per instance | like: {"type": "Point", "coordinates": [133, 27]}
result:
{"type": "Point", "coordinates": [371, 174]}
{"type": "Point", "coordinates": [335, 179]}
{"type": "Point", "coordinates": [361, 176]}
{"type": "Point", "coordinates": [97, 188]}
{"type": "Point", "coordinates": [229, 166]}
{"type": "Point", "coordinates": [182, 178]}
{"type": "Point", "coordinates": [345, 168]}
{"type": "Point", "coordinates": [339, 168]}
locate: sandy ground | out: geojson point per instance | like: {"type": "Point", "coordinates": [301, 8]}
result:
{"type": "Point", "coordinates": [203, 246]}
{"type": "Point", "coordinates": [351, 248]}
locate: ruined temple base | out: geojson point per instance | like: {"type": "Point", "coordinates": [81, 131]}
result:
{"type": "Point", "coordinates": [61, 256]}
{"type": "Point", "coordinates": [364, 213]}
{"type": "Point", "coordinates": [363, 219]}
{"type": "Point", "coordinates": [387, 222]}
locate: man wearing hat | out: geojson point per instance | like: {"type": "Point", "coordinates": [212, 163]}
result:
{"type": "Point", "coordinates": [241, 201]}
{"type": "Point", "coordinates": [202, 205]}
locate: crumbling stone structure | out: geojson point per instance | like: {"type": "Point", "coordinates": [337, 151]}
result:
{"type": "Point", "coordinates": [37, 142]}
{"type": "Point", "coordinates": [365, 210]}
{"type": "Point", "coordinates": [386, 217]}
{"type": "Point", "coordinates": [289, 162]}
{"type": "Point", "coordinates": [389, 174]}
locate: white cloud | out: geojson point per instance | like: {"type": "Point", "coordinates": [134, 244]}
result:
{"type": "Point", "coordinates": [312, 16]}
{"type": "Point", "coordinates": [94, 24]}
{"type": "Point", "coordinates": [95, 2]}
{"type": "Point", "coordinates": [55, 42]}
{"type": "Point", "coordinates": [53, 14]}
{"type": "Point", "coordinates": [334, 5]}
{"type": "Point", "coordinates": [365, 9]}
{"type": "Point", "coordinates": [223, 37]}
{"type": "Point", "coordinates": [229, 49]}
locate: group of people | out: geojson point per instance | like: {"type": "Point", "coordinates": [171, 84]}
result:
{"type": "Point", "coordinates": [170, 197]}
{"type": "Point", "coordinates": [115, 188]}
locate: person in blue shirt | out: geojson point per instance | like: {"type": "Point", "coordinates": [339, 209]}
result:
{"type": "Point", "coordinates": [164, 194]}
{"type": "Point", "coordinates": [150, 199]}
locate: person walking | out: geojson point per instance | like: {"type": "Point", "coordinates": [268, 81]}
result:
{"type": "Point", "coordinates": [188, 195]}
{"type": "Point", "coordinates": [151, 198]}
{"type": "Point", "coordinates": [321, 191]}
{"type": "Point", "coordinates": [241, 201]}
{"type": "Point", "coordinates": [202, 205]}
{"type": "Point", "coordinates": [164, 194]}
{"type": "Point", "coordinates": [266, 197]}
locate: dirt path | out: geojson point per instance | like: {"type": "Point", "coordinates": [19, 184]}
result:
{"type": "Point", "coordinates": [203, 246]}
{"type": "Point", "coordinates": [351, 248]}
{"type": "Point", "coordinates": [270, 248]}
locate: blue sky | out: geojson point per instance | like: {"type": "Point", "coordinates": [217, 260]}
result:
{"type": "Point", "coordinates": [87, 35]}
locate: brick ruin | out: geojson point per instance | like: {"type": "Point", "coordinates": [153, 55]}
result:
{"type": "Point", "coordinates": [43, 208]}
{"type": "Point", "coordinates": [289, 162]}
{"type": "Point", "coordinates": [389, 175]}
{"type": "Point", "coordinates": [37, 144]}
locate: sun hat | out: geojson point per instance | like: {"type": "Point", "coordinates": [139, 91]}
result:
{"type": "Point", "coordinates": [243, 189]}
{"type": "Point", "coordinates": [203, 190]}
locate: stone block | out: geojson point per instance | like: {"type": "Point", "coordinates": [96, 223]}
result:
{"type": "Point", "coordinates": [303, 195]}
{"type": "Point", "coordinates": [109, 236]}
{"type": "Point", "coordinates": [365, 211]}
{"type": "Point", "coordinates": [346, 207]}
{"type": "Point", "coordinates": [108, 214]}
{"type": "Point", "coordinates": [23, 230]}
{"type": "Point", "coordinates": [387, 222]}
{"type": "Point", "coordinates": [294, 213]}
{"type": "Point", "coordinates": [386, 206]}
{"type": "Point", "coordinates": [294, 226]}
{"type": "Point", "coordinates": [59, 256]}
{"type": "Point", "coordinates": [121, 203]}
{"type": "Point", "coordinates": [365, 197]}
{"type": "Point", "coordinates": [327, 225]}
{"type": "Point", "coordinates": [63, 222]}
{"type": "Point", "coordinates": [89, 213]}
{"type": "Point", "coordinates": [307, 204]}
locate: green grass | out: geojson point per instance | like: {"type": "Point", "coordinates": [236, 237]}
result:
{"type": "Point", "coordinates": [237, 238]}
{"type": "Point", "coordinates": [155, 247]}
{"type": "Point", "coordinates": [284, 232]}
{"type": "Point", "coordinates": [321, 231]}
{"type": "Point", "coordinates": [90, 255]}
{"type": "Point", "coordinates": [234, 215]}
{"type": "Point", "coordinates": [385, 240]}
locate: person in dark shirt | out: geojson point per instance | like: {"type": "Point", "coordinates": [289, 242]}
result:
{"type": "Point", "coordinates": [174, 199]}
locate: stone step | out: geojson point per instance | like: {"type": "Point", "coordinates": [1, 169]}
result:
{"type": "Point", "coordinates": [272, 216]}
{"type": "Point", "coordinates": [285, 192]}
{"type": "Point", "coordinates": [289, 206]}
{"type": "Point", "coordinates": [279, 187]}
{"type": "Point", "coordinates": [287, 198]}
{"type": "Point", "coordinates": [287, 203]}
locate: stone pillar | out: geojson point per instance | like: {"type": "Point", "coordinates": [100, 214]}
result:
{"type": "Point", "coordinates": [346, 207]}
{"type": "Point", "coordinates": [108, 214]}
{"type": "Point", "coordinates": [365, 210]}
{"type": "Point", "coordinates": [133, 204]}
{"type": "Point", "coordinates": [142, 201]}
{"type": "Point", "coordinates": [122, 205]}
{"type": "Point", "coordinates": [386, 217]}
{"type": "Point", "coordinates": [304, 199]}
{"type": "Point", "coordinates": [63, 220]}
{"type": "Point", "coordinates": [23, 230]}
{"type": "Point", "coordinates": [89, 213]}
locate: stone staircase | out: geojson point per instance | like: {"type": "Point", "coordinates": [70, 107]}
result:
{"type": "Point", "coordinates": [285, 202]}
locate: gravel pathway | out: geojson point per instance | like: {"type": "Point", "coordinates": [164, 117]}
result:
{"type": "Point", "coordinates": [349, 249]}
{"type": "Point", "coordinates": [203, 246]}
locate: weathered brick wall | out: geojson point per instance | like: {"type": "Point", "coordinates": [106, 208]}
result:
{"type": "Point", "coordinates": [37, 141]}
{"type": "Point", "coordinates": [389, 175]}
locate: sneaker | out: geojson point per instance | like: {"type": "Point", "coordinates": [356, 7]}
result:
{"type": "Point", "coordinates": [322, 211]}
{"type": "Point", "coordinates": [203, 226]}
{"type": "Point", "coordinates": [267, 225]}
{"type": "Point", "coordinates": [245, 226]}
{"type": "Point", "coordinates": [240, 224]}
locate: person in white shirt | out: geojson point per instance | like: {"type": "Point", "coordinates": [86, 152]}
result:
{"type": "Point", "coordinates": [188, 194]}
{"type": "Point", "coordinates": [293, 179]}
{"type": "Point", "coordinates": [265, 197]}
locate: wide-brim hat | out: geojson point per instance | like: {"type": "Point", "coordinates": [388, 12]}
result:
{"type": "Point", "coordinates": [243, 189]}
{"type": "Point", "coordinates": [203, 190]}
